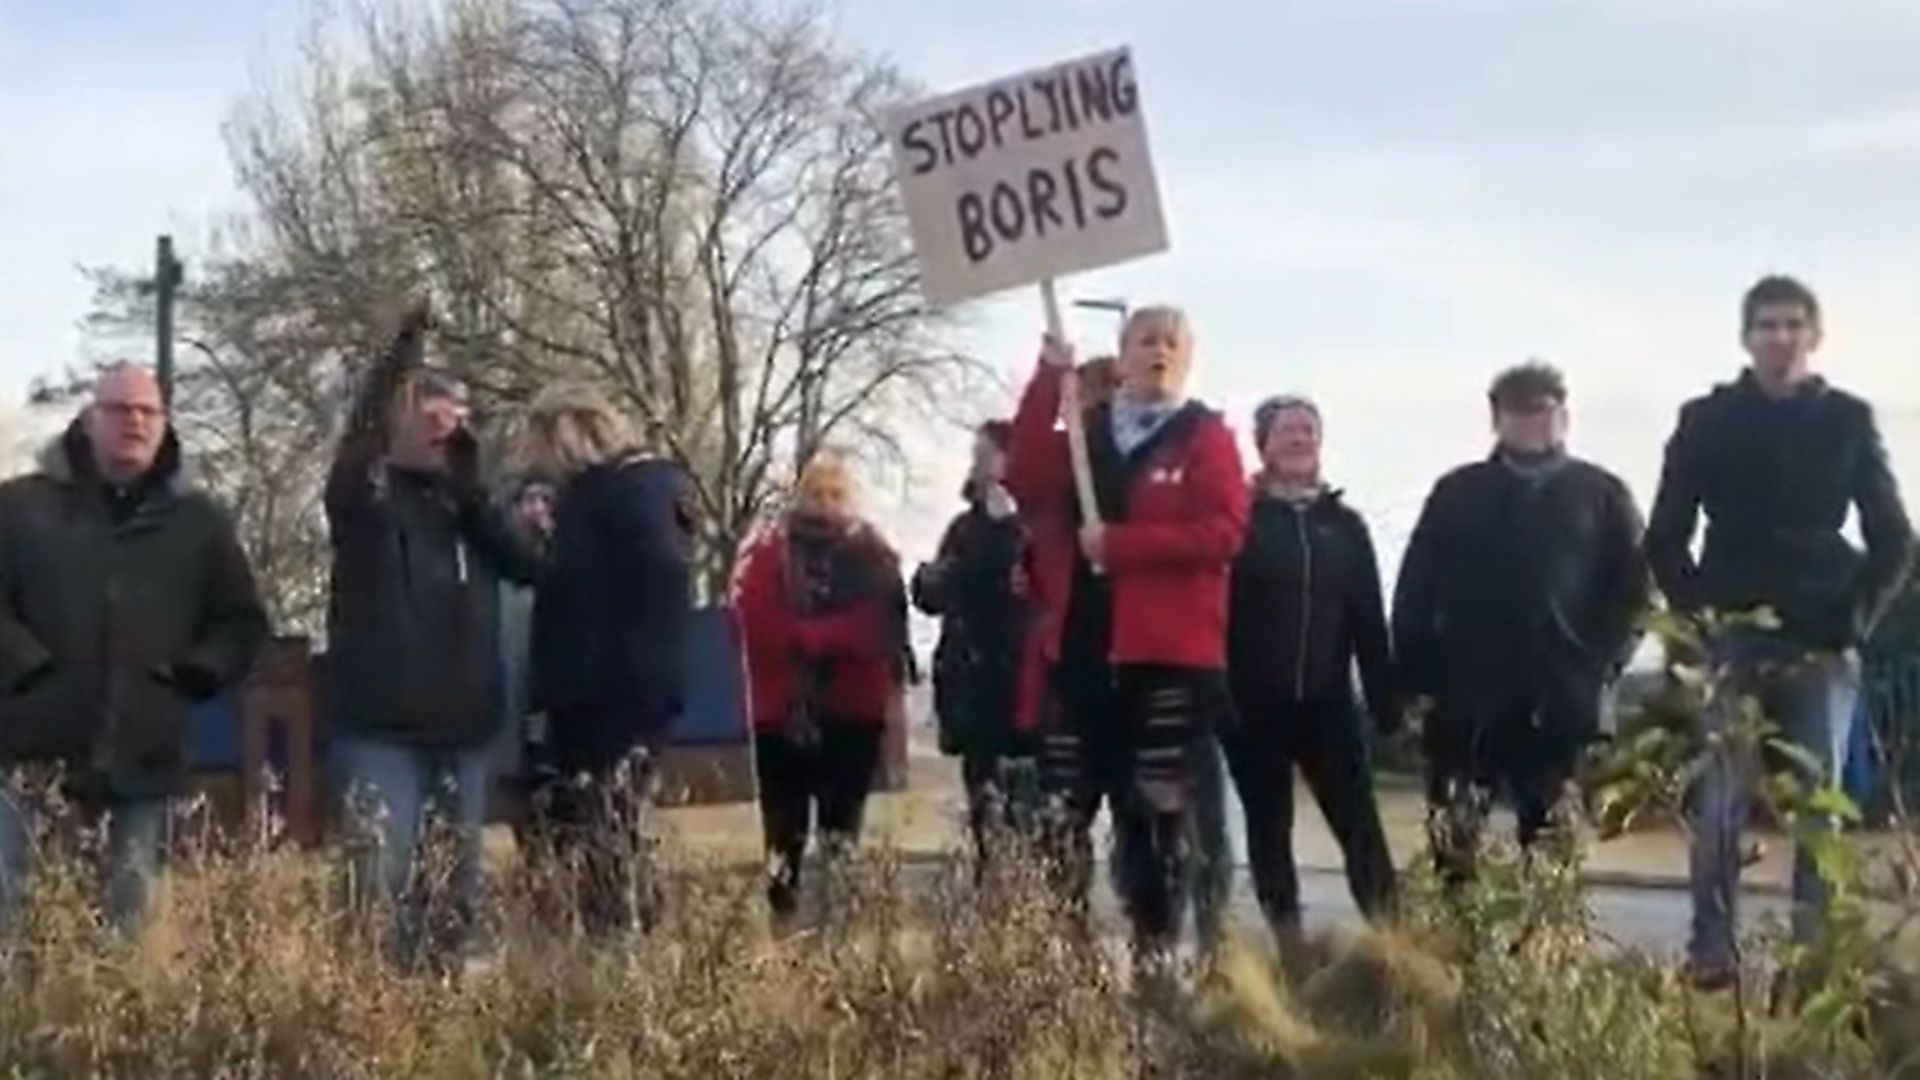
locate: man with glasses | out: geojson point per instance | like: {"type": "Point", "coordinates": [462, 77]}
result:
{"type": "Point", "coordinates": [124, 600]}
{"type": "Point", "coordinates": [1775, 460]}
{"type": "Point", "coordinates": [1516, 608]}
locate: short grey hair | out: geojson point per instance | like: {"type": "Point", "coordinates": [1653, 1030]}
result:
{"type": "Point", "coordinates": [114, 369]}
{"type": "Point", "coordinates": [1268, 413]}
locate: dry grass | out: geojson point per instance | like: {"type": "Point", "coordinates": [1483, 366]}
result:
{"type": "Point", "coordinates": [253, 969]}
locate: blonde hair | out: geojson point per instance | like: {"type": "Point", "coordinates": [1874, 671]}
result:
{"type": "Point", "coordinates": [1165, 315]}
{"type": "Point", "coordinates": [828, 465]}
{"type": "Point", "coordinates": [574, 427]}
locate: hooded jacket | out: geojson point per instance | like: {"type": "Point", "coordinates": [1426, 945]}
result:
{"type": "Point", "coordinates": [119, 609]}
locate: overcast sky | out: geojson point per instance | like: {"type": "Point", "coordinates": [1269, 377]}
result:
{"type": "Point", "coordinates": [1379, 203]}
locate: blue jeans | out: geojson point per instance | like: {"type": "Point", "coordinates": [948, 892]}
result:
{"type": "Point", "coordinates": [391, 791]}
{"type": "Point", "coordinates": [1811, 696]}
{"type": "Point", "coordinates": [136, 831]}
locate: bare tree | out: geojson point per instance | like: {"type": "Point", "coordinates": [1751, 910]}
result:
{"type": "Point", "coordinates": [687, 202]}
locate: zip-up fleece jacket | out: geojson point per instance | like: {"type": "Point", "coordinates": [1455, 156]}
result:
{"type": "Point", "coordinates": [1306, 607]}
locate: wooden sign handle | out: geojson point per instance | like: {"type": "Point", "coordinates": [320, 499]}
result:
{"type": "Point", "coordinates": [1070, 406]}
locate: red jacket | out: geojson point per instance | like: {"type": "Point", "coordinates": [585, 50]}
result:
{"type": "Point", "coordinates": [855, 649]}
{"type": "Point", "coordinates": [1169, 556]}
{"type": "Point", "coordinates": [1030, 698]}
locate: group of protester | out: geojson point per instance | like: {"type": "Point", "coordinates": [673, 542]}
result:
{"type": "Point", "coordinates": [125, 600]}
{"type": "Point", "coordinates": [1199, 611]}
{"type": "Point", "coordinates": [1088, 659]}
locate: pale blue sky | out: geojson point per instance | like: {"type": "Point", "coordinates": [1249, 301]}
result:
{"type": "Point", "coordinates": [1376, 201]}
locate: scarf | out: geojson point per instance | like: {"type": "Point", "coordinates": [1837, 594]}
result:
{"type": "Point", "coordinates": [1133, 424]}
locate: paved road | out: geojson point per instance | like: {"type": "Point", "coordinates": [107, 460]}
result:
{"type": "Point", "coordinates": [1654, 920]}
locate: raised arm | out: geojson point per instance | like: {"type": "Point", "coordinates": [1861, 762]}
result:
{"type": "Point", "coordinates": [1039, 472]}
{"type": "Point", "coordinates": [351, 479]}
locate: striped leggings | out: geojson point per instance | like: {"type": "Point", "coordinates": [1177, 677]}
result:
{"type": "Point", "coordinates": [1126, 736]}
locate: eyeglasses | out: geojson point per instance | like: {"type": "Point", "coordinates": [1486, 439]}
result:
{"type": "Point", "coordinates": [126, 410]}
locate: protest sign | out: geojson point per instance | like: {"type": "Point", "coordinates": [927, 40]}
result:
{"type": "Point", "coordinates": [1027, 178]}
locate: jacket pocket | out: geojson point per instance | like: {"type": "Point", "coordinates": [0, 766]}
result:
{"type": "Point", "coordinates": [37, 723]}
{"type": "Point", "coordinates": [148, 739]}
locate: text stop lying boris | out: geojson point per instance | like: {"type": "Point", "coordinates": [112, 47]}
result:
{"type": "Point", "coordinates": [1027, 178]}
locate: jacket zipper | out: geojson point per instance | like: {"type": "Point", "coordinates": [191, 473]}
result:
{"type": "Point", "coordinates": [113, 692]}
{"type": "Point", "coordinates": [1306, 603]}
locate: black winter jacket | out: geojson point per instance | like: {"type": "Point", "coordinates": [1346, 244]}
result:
{"type": "Point", "coordinates": [1306, 606]}
{"type": "Point", "coordinates": [976, 666]}
{"type": "Point", "coordinates": [118, 611]}
{"type": "Point", "coordinates": [610, 619]}
{"type": "Point", "coordinates": [414, 603]}
{"type": "Point", "coordinates": [1775, 479]}
{"type": "Point", "coordinates": [1524, 581]}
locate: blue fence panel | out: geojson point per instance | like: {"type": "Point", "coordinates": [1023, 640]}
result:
{"type": "Point", "coordinates": [716, 684]}
{"type": "Point", "coordinates": [214, 735]}
{"type": "Point", "coordinates": [716, 712]}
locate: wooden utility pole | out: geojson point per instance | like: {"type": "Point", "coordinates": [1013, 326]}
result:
{"type": "Point", "coordinates": [166, 282]}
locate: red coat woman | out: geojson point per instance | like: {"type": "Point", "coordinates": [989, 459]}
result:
{"type": "Point", "coordinates": [823, 617]}
{"type": "Point", "coordinates": [1134, 607]}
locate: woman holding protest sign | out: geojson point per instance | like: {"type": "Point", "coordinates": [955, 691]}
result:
{"type": "Point", "coordinates": [1135, 608]}
{"type": "Point", "coordinates": [824, 617]}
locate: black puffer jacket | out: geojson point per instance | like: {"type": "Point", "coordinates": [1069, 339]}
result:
{"type": "Point", "coordinates": [118, 610]}
{"type": "Point", "coordinates": [1776, 479]}
{"type": "Point", "coordinates": [976, 666]}
{"type": "Point", "coordinates": [1518, 579]}
{"type": "Point", "coordinates": [1306, 607]}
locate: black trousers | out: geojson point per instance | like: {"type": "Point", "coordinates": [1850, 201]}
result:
{"type": "Point", "coordinates": [594, 822]}
{"type": "Point", "coordinates": [1126, 737]}
{"type": "Point", "coordinates": [828, 778]}
{"type": "Point", "coordinates": [1328, 746]}
{"type": "Point", "coordinates": [1476, 750]}
{"type": "Point", "coordinates": [1213, 876]}
{"type": "Point", "coordinates": [1002, 793]}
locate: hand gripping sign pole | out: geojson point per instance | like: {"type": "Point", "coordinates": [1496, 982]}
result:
{"type": "Point", "coordinates": [1074, 416]}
